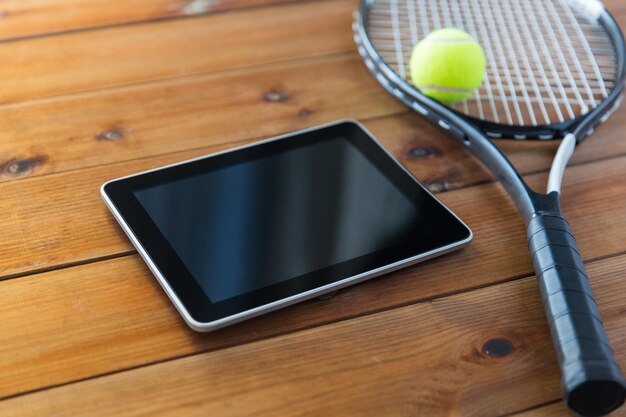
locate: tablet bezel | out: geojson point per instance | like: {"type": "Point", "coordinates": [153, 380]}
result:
{"type": "Point", "coordinates": [183, 289]}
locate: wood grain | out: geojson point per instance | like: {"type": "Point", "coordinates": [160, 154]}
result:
{"type": "Point", "coordinates": [435, 359]}
{"type": "Point", "coordinates": [117, 303]}
{"type": "Point", "coordinates": [25, 18]}
{"type": "Point", "coordinates": [123, 124]}
{"type": "Point", "coordinates": [441, 164]}
{"type": "Point", "coordinates": [69, 209]}
{"type": "Point", "coordinates": [92, 60]}
{"type": "Point", "coordinates": [559, 409]}
{"type": "Point", "coordinates": [83, 107]}
{"type": "Point", "coordinates": [79, 131]}
{"type": "Point", "coordinates": [101, 127]}
{"type": "Point", "coordinates": [552, 410]}
{"type": "Point", "coordinates": [81, 61]}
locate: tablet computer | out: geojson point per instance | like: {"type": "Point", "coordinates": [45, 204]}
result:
{"type": "Point", "coordinates": [236, 234]}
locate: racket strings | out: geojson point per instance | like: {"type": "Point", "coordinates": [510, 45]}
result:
{"type": "Point", "coordinates": [546, 62]}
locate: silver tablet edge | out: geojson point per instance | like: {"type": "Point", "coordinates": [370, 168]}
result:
{"type": "Point", "coordinates": [316, 292]}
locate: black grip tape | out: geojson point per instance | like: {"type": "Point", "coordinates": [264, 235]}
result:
{"type": "Point", "coordinates": [592, 382]}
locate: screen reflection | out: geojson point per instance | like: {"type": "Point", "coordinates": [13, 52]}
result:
{"type": "Point", "coordinates": [254, 224]}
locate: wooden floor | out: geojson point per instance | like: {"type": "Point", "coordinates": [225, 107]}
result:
{"type": "Point", "coordinates": [95, 89]}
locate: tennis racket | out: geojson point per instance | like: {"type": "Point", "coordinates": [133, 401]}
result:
{"type": "Point", "coordinates": [555, 70]}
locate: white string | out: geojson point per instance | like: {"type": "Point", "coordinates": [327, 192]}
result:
{"type": "Point", "coordinates": [477, 97]}
{"type": "Point", "coordinates": [491, 59]}
{"type": "Point", "coordinates": [527, 65]}
{"type": "Point", "coordinates": [396, 36]}
{"type": "Point", "coordinates": [585, 43]}
{"type": "Point", "coordinates": [491, 21]}
{"type": "Point", "coordinates": [424, 19]}
{"type": "Point", "coordinates": [574, 59]}
{"type": "Point", "coordinates": [448, 19]}
{"type": "Point", "coordinates": [512, 55]}
{"type": "Point", "coordinates": [541, 57]}
{"type": "Point", "coordinates": [547, 53]}
{"type": "Point", "coordinates": [412, 24]}
{"type": "Point", "coordinates": [434, 10]}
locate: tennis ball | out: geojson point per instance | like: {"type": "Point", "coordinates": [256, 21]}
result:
{"type": "Point", "coordinates": [448, 65]}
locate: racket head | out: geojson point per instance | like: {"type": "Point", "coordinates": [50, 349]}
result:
{"type": "Point", "coordinates": [528, 93]}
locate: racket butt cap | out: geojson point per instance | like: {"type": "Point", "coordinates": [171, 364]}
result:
{"type": "Point", "coordinates": [596, 397]}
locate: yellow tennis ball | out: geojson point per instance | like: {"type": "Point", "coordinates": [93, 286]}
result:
{"type": "Point", "coordinates": [448, 65]}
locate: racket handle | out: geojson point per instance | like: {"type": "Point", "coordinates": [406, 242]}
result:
{"type": "Point", "coordinates": [592, 382]}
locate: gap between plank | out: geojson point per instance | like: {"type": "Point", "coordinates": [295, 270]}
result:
{"type": "Point", "coordinates": [240, 143]}
{"type": "Point", "coordinates": [534, 407]}
{"type": "Point", "coordinates": [130, 85]}
{"type": "Point", "coordinates": [618, 13]}
{"type": "Point", "coordinates": [233, 144]}
{"type": "Point", "coordinates": [155, 20]}
{"type": "Point", "coordinates": [67, 265]}
{"type": "Point", "coordinates": [324, 323]}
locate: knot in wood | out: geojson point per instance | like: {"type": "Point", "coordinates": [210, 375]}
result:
{"type": "Point", "coordinates": [425, 152]}
{"type": "Point", "coordinates": [275, 97]}
{"type": "Point", "coordinates": [114, 134]}
{"type": "Point", "coordinates": [20, 167]}
{"type": "Point", "coordinates": [497, 348]}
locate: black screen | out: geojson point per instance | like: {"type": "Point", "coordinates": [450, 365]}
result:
{"type": "Point", "coordinates": [255, 223]}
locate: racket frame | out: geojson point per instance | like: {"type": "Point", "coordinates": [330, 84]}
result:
{"type": "Point", "coordinates": [592, 382]}
{"type": "Point", "coordinates": [475, 134]}
{"type": "Point", "coordinates": [580, 126]}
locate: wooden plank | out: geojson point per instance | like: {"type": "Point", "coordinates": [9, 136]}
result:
{"type": "Point", "coordinates": [483, 353]}
{"type": "Point", "coordinates": [67, 214]}
{"type": "Point", "coordinates": [55, 362]}
{"type": "Point", "coordinates": [559, 410]}
{"type": "Point", "coordinates": [553, 410]}
{"type": "Point", "coordinates": [97, 59]}
{"type": "Point", "coordinates": [118, 303]}
{"type": "Point", "coordinates": [24, 18]}
{"type": "Point", "coordinates": [441, 164]}
{"type": "Point", "coordinates": [151, 119]}
{"type": "Point", "coordinates": [123, 124]}
{"type": "Point", "coordinates": [617, 8]}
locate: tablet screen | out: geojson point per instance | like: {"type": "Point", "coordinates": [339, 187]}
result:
{"type": "Point", "coordinates": [256, 223]}
{"type": "Point", "coordinates": [273, 222]}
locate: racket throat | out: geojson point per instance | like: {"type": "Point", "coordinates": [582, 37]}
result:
{"type": "Point", "coordinates": [529, 202]}
{"type": "Point", "coordinates": [545, 205]}
{"type": "Point", "coordinates": [563, 155]}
